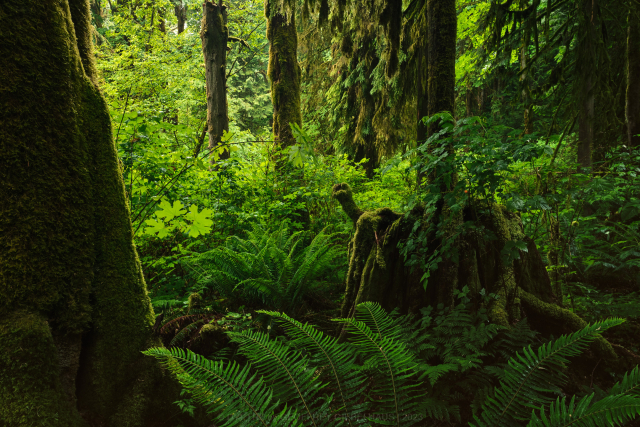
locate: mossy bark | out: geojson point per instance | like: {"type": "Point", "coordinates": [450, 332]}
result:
{"type": "Point", "coordinates": [442, 23]}
{"type": "Point", "coordinates": [74, 310]}
{"type": "Point", "coordinates": [214, 35]}
{"type": "Point", "coordinates": [377, 271]}
{"type": "Point", "coordinates": [284, 73]}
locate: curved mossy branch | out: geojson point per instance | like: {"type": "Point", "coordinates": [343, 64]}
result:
{"type": "Point", "coordinates": [343, 194]}
{"type": "Point", "coordinates": [553, 313]}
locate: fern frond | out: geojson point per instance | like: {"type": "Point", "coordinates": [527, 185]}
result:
{"type": "Point", "coordinates": [394, 386]}
{"type": "Point", "coordinates": [236, 397]}
{"type": "Point", "coordinates": [329, 355]}
{"type": "Point", "coordinates": [630, 384]}
{"type": "Point", "coordinates": [530, 377]}
{"type": "Point", "coordinates": [610, 411]}
{"type": "Point", "coordinates": [286, 371]}
{"type": "Point", "coordinates": [186, 331]}
{"type": "Point", "coordinates": [377, 320]}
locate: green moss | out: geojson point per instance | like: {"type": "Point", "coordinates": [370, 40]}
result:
{"type": "Point", "coordinates": [566, 320]}
{"type": "Point", "coordinates": [30, 388]}
{"type": "Point", "coordinates": [81, 17]}
{"type": "Point", "coordinates": [46, 218]}
{"type": "Point", "coordinates": [284, 73]}
{"type": "Point", "coordinates": [66, 243]}
{"type": "Point", "coordinates": [343, 194]}
{"type": "Point", "coordinates": [195, 300]}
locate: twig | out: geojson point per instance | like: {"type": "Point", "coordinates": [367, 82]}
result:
{"type": "Point", "coordinates": [564, 132]}
{"type": "Point", "coordinates": [123, 112]}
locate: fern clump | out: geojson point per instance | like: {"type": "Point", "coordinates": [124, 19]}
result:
{"type": "Point", "coordinates": [276, 269]}
{"type": "Point", "coordinates": [400, 371]}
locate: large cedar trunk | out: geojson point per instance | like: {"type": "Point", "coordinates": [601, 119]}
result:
{"type": "Point", "coordinates": [284, 73]}
{"type": "Point", "coordinates": [74, 310]}
{"type": "Point", "coordinates": [214, 35]}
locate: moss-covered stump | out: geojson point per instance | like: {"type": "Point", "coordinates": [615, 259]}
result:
{"type": "Point", "coordinates": [377, 271]}
{"type": "Point", "coordinates": [73, 301]}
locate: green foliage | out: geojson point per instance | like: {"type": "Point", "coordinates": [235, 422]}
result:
{"type": "Point", "coordinates": [273, 268]}
{"type": "Point", "coordinates": [380, 358]}
{"type": "Point", "coordinates": [532, 376]}
{"type": "Point", "coordinates": [233, 390]}
{"type": "Point", "coordinates": [172, 217]}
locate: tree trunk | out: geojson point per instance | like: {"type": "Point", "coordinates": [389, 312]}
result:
{"type": "Point", "coordinates": [633, 77]}
{"type": "Point", "coordinates": [284, 73]}
{"type": "Point", "coordinates": [586, 79]}
{"type": "Point", "coordinates": [74, 309]}
{"type": "Point", "coordinates": [214, 35]}
{"type": "Point", "coordinates": [524, 82]}
{"type": "Point", "coordinates": [180, 11]}
{"type": "Point", "coordinates": [442, 19]}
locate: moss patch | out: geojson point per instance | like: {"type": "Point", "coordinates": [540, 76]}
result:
{"type": "Point", "coordinates": [30, 388]}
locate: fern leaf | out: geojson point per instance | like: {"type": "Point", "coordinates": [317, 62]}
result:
{"type": "Point", "coordinates": [630, 384]}
{"type": "Point", "coordinates": [230, 392]}
{"type": "Point", "coordinates": [610, 411]}
{"type": "Point", "coordinates": [394, 387]}
{"type": "Point", "coordinates": [532, 376]}
{"type": "Point", "coordinates": [337, 359]}
{"type": "Point", "coordinates": [286, 370]}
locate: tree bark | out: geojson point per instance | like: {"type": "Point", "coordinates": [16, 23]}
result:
{"type": "Point", "coordinates": [442, 21]}
{"type": "Point", "coordinates": [214, 35]}
{"type": "Point", "coordinates": [74, 309]}
{"type": "Point", "coordinates": [284, 73]}
{"type": "Point", "coordinates": [180, 11]}
{"type": "Point", "coordinates": [524, 82]}
{"type": "Point", "coordinates": [632, 108]}
{"type": "Point", "coordinates": [586, 79]}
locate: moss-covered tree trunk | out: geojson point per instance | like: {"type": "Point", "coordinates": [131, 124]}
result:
{"type": "Point", "coordinates": [633, 77]}
{"type": "Point", "coordinates": [74, 310]}
{"type": "Point", "coordinates": [284, 72]}
{"type": "Point", "coordinates": [214, 35]}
